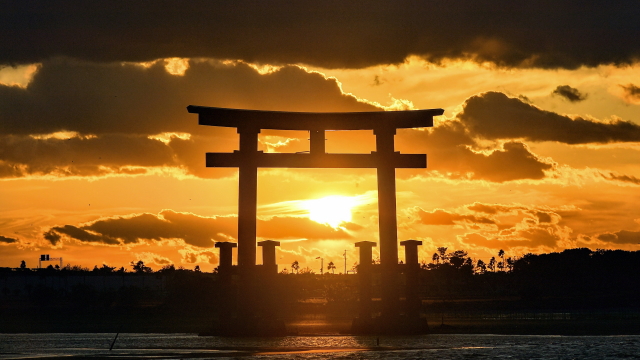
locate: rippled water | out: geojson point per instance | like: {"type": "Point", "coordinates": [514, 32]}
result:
{"type": "Point", "coordinates": [185, 346]}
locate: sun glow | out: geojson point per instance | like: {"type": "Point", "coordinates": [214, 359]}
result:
{"type": "Point", "coordinates": [332, 210]}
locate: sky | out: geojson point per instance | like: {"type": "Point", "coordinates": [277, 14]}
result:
{"type": "Point", "coordinates": [100, 162]}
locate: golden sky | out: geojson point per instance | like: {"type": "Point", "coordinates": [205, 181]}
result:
{"type": "Point", "coordinates": [538, 149]}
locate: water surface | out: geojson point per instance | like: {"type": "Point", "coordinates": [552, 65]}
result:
{"type": "Point", "coordinates": [186, 346]}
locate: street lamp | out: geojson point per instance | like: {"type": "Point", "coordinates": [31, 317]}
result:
{"type": "Point", "coordinates": [321, 264]}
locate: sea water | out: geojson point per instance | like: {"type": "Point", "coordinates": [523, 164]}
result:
{"type": "Point", "coordinates": [185, 346]}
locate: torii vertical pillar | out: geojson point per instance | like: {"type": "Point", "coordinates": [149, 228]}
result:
{"type": "Point", "coordinates": [247, 198]}
{"type": "Point", "coordinates": [387, 223]}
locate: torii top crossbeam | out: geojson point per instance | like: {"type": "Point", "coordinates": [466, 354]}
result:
{"type": "Point", "coordinates": [286, 120]}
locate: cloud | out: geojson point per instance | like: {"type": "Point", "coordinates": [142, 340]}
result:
{"type": "Point", "coordinates": [569, 93]}
{"type": "Point", "coordinates": [192, 256]}
{"type": "Point", "coordinates": [150, 258]}
{"type": "Point", "coordinates": [545, 238]}
{"type": "Point", "coordinates": [621, 237]}
{"type": "Point", "coordinates": [538, 215]}
{"type": "Point", "coordinates": [129, 105]}
{"type": "Point", "coordinates": [631, 93]}
{"type": "Point", "coordinates": [76, 156]}
{"type": "Point", "coordinates": [193, 229]}
{"type": "Point", "coordinates": [7, 240]}
{"type": "Point", "coordinates": [281, 227]}
{"type": "Point", "coordinates": [78, 233]}
{"type": "Point", "coordinates": [451, 153]}
{"type": "Point", "coordinates": [96, 99]}
{"type": "Point", "coordinates": [198, 231]}
{"type": "Point", "coordinates": [338, 34]}
{"type": "Point", "coordinates": [442, 217]}
{"type": "Point", "coordinates": [494, 115]}
{"type": "Point", "coordinates": [623, 178]}
{"type": "Point", "coordinates": [493, 208]}
{"type": "Point", "coordinates": [87, 119]}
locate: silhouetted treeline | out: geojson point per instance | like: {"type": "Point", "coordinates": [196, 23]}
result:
{"type": "Point", "coordinates": [575, 277]}
{"type": "Point", "coordinates": [570, 280]}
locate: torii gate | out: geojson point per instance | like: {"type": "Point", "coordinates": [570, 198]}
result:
{"type": "Point", "coordinates": [385, 160]}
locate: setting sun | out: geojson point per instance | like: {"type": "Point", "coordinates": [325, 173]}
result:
{"type": "Point", "coordinates": [332, 210]}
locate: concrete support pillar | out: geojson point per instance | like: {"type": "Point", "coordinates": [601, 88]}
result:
{"type": "Point", "coordinates": [269, 256]}
{"type": "Point", "coordinates": [247, 198]}
{"type": "Point", "coordinates": [228, 300]}
{"type": "Point", "coordinates": [387, 223]}
{"type": "Point", "coordinates": [412, 276]}
{"type": "Point", "coordinates": [226, 254]}
{"type": "Point", "coordinates": [364, 275]}
{"type": "Point", "coordinates": [411, 252]}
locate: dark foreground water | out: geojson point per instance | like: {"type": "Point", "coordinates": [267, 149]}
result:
{"type": "Point", "coordinates": [190, 346]}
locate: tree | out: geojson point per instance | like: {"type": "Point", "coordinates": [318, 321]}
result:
{"type": "Point", "coordinates": [104, 269]}
{"type": "Point", "coordinates": [510, 263]}
{"type": "Point", "coordinates": [140, 267]}
{"type": "Point", "coordinates": [457, 258]}
{"type": "Point", "coordinates": [442, 251]}
{"type": "Point", "coordinates": [435, 258]}
{"type": "Point", "coordinates": [481, 267]}
{"type": "Point", "coordinates": [306, 270]}
{"type": "Point", "coordinates": [197, 268]}
{"type": "Point", "coordinates": [295, 266]}
{"type": "Point", "coordinates": [167, 268]}
{"type": "Point", "coordinates": [23, 265]}
{"type": "Point", "coordinates": [492, 264]}
{"type": "Point", "coordinates": [331, 267]}
{"type": "Point", "coordinates": [501, 256]}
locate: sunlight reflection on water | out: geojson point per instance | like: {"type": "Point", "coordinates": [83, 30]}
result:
{"type": "Point", "coordinates": [183, 346]}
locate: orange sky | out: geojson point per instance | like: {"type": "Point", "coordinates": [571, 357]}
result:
{"type": "Point", "coordinates": [101, 163]}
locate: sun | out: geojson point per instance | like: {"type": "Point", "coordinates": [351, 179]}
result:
{"type": "Point", "coordinates": [332, 210]}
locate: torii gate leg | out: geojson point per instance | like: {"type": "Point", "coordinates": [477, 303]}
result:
{"type": "Point", "coordinates": [387, 223]}
{"type": "Point", "coordinates": [247, 198]}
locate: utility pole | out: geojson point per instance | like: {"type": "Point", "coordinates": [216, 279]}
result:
{"type": "Point", "coordinates": [345, 262]}
{"type": "Point", "coordinates": [321, 264]}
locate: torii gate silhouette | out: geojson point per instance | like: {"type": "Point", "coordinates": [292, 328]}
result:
{"type": "Point", "coordinates": [385, 160]}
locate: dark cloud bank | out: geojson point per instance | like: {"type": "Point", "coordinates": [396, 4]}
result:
{"type": "Point", "coordinates": [116, 107]}
{"type": "Point", "coordinates": [192, 229]}
{"type": "Point", "coordinates": [334, 33]}
{"type": "Point", "coordinates": [494, 115]}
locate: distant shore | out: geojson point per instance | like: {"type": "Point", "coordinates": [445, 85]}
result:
{"type": "Point", "coordinates": [149, 322]}
{"type": "Point", "coordinates": [612, 326]}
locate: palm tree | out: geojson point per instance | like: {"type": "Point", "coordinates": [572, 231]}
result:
{"type": "Point", "coordinates": [331, 266]}
{"type": "Point", "coordinates": [501, 256]}
{"type": "Point", "coordinates": [435, 258]}
{"type": "Point", "coordinates": [295, 266]}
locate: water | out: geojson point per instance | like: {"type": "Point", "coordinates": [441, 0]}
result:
{"type": "Point", "coordinates": [190, 346]}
